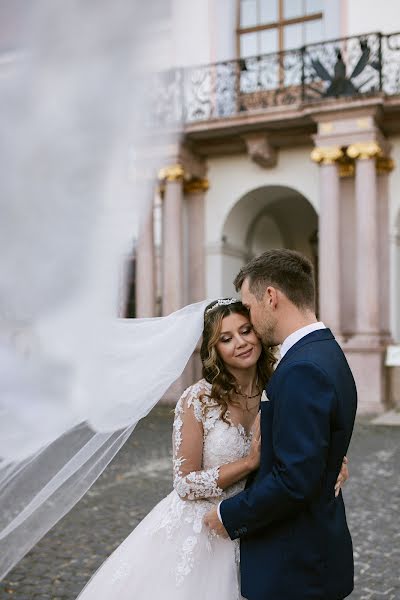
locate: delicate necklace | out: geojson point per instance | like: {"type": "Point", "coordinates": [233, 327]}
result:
{"type": "Point", "coordinates": [253, 396]}
{"type": "Point", "coordinates": [247, 397]}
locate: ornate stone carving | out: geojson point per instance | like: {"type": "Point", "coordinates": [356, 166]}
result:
{"type": "Point", "coordinates": [371, 150]}
{"type": "Point", "coordinates": [171, 173]}
{"type": "Point", "coordinates": [364, 150]}
{"type": "Point", "coordinates": [260, 150]}
{"type": "Point", "coordinates": [346, 167]}
{"type": "Point", "coordinates": [196, 186]}
{"type": "Point", "coordinates": [327, 155]}
{"type": "Point", "coordinates": [384, 165]}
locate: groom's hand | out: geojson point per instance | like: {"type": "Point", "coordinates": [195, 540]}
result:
{"type": "Point", "coordinates": [212, 521]}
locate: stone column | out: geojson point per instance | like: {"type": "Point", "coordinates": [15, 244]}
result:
{"type": "Point", "coordinates": [145, 268]}
{"type": "Point", "coordinates": [366, 349]}
{"type": "Point", "coordinates": [195, 191]}
{"type": "Point", "coordinates": [329, 236]}
{"type": "Point", "coordinates": [367, 239]}
{"type": "Point", "coordinates": [171, 183]}
{"type": "Point", "coordinates": [195, 197]}
{"type": "Point", "coordinates": [395, 274]}
{"type": "Point", "coordinates": [384, 166]}
{"type": "Point", "coordinates": [172, 245]}
{"type": "Point", "coordinates": [348, 251]}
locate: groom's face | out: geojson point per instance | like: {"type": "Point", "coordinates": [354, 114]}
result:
{"type": "Point", "coordinates": [262, 315]}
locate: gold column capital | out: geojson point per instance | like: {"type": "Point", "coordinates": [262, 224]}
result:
{"type": "Point", "coordinates": [171, 173]}
{"type": "Point", "coordinates": [327, 155]}
{"type": "Point", "coordinates": [196, 186]}
{"type": "Point", "coordinates": [364, 150]}
{"type": "Point", "coordinates": [384, 165]}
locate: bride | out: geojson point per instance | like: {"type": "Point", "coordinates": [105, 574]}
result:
{"type": "Point", "coordinates": [171, 554]}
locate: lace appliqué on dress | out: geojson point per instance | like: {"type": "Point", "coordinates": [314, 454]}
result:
{"type": "Point", "coordinates": [197, 492]}
{"type": "Point", "coordinates": [185, 565]}
{"type": "Point", "coordinates": [197, 484]}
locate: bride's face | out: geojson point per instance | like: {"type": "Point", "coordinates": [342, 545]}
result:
{"type": "Point", "coordinates": [238, 346]}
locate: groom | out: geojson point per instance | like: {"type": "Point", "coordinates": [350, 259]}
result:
{"type": "Point", "coordinates": [295, 544]}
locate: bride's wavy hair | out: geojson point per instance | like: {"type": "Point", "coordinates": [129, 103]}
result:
{"type": "Point", "coordinates": [224, 384]}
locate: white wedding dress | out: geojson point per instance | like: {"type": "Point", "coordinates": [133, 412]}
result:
{"type": "Point", "coordinates": [171, 554]}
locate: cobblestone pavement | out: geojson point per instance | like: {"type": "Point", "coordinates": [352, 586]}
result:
{"type": "Point", "coordinates": [140, 476]}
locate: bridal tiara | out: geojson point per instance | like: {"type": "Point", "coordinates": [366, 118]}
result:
{"type": "Point", "coordinates": [222, 302]}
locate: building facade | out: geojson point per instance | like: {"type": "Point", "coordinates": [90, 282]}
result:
{"type": "Point", "coordinates": [290, 111]}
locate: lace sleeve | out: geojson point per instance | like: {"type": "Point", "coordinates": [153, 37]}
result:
{"type": "Point", "coordinates": [190, 480]}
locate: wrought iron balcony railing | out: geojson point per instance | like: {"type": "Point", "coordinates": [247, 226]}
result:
{"type": "Point", "coordinates": [348, 67]}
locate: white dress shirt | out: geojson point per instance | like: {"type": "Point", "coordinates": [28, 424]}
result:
{"type": "Point", "coordinates": [290, 341]}
{"type": "Point", "coordinates": [296, 336]}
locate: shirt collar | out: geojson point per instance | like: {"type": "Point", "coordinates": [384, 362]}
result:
{"type": "Point", "coordinates": [294, 337]}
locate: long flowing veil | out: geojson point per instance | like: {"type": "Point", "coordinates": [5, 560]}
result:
{"type": "Point", "coordinates": [74, 378]}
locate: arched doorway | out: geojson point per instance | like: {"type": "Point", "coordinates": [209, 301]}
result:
{"type": "Point", "coordinates": [267, 217]}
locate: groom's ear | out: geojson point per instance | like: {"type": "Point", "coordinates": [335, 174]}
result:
{"type": "Point", "coordinates": [271, 297]}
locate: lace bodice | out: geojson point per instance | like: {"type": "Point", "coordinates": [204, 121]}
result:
{"type": "Point", "coordinates": [202, 442]}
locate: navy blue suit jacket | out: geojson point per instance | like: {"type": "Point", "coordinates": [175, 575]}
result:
{"type": "Point", "coordinates": [295, 543]}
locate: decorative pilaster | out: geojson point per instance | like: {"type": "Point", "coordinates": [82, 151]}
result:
{"type": "Point", "coordinates": [384, 166]}
{"type": "Point", "coordinates": [171, 183]}
{"type": "Point", "coordinates": [182, 188]}
{"type": "Point", "coordinates": [328, 158]}
{"type": "Point", "coordinates": [195, 191]}
{"type": "Point", "coordinates": [395, 273]}
{"type": "Point", "coordinates": [145, 268]}
{"type": "Point", "coordinates": [367, 238]}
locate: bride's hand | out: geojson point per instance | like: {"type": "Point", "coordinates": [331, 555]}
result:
{"type": "Point", "coordinates": [343, 476]}
{"type": "Point", "coordinates": [253, 457]}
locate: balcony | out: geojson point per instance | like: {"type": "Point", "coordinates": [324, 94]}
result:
{"type": "Point", "coordinates": [282, 90]}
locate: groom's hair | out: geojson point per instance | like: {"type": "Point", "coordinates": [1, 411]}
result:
{"type": "Point", "coordinates": [287, 270]}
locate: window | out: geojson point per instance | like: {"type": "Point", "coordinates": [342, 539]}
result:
{"type": "Point", "coordinates": [267, 26]}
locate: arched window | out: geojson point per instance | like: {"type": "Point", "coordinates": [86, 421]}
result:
{"type": "Point", "coordinates": [267, 26]}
